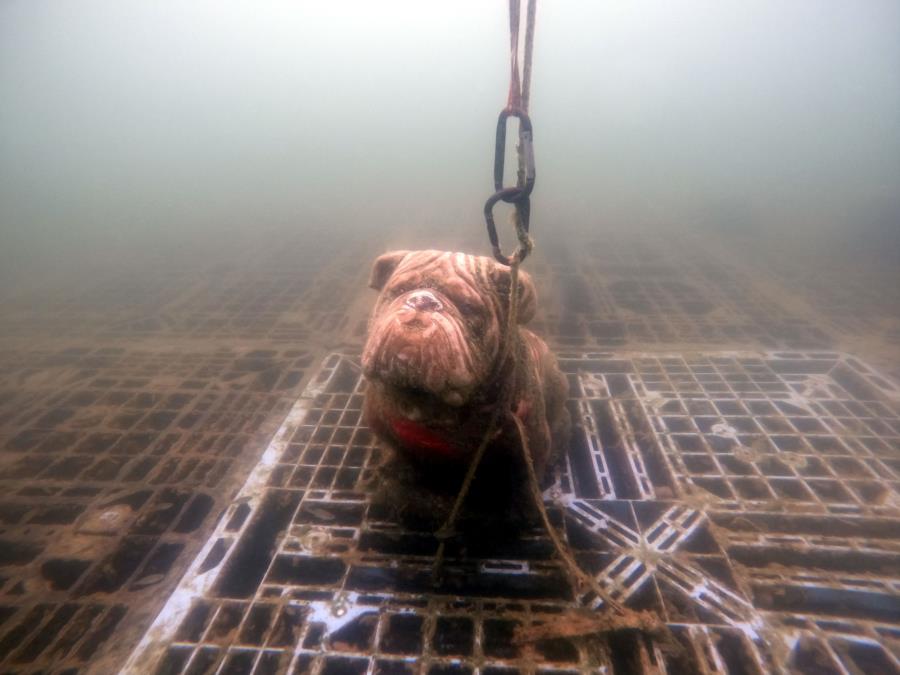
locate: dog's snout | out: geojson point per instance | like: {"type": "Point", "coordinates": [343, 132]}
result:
{"type": "Point", "coordinates": [424, 301]}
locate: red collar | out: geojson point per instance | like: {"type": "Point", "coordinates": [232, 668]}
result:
{"type": "Point", "coordinates": [416, 436]}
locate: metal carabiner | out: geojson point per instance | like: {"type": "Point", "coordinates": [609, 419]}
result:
{"type": "Point", "coordinates": [525, 181]}
{"type": "Point", "coordinates": [522, 203]}
{"type": "Point", "coordinates": [520, 194]}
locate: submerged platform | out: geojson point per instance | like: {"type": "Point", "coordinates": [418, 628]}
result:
{"type": "Point", "coordinates": [750, 499]}
{"type": "Point", "coordinates": [138, 394]}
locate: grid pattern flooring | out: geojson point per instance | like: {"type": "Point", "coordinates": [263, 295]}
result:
{"type": "Point", "coordinates": [748, 581]}
{"type": "Point", "coordinates": [114, 460]}
{"type": "Point", "coordinates": [137, 394]}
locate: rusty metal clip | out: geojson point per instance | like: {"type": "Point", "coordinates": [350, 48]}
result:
{"type": "Point", "coordinates": [525, 181]}
{"type": "Point", "coordinates": [523, 215]}
{"type": "Point", "coordinates": [519, 195]}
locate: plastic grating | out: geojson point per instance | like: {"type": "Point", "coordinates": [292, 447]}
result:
{"type": "Point", "coordinates": [627, 291]}
{"type": "Point", "coordinates": [295, 292]}
{"type": "Point", "coordinates": [750, 499]}
{"type": "Point", "coordinates": [115, 465]}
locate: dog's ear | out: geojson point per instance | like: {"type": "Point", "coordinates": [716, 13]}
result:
{"type": "Point", "coordinates": [384, 267]}
{"type": "Point", "coordinates": [527, 292]}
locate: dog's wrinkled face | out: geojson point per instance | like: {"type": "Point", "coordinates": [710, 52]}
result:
{"type": "Point", "coordinates": [436, 327]}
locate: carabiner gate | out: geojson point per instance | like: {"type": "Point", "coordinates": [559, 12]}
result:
{"type": "Point", "coordinates": [525, 182]}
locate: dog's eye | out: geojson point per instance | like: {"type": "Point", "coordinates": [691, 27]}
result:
{"type": "Point", "coordinates": [467, 308]}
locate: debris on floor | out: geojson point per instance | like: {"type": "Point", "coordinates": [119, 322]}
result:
{"type": "Point", "coordinates": [742, 497]}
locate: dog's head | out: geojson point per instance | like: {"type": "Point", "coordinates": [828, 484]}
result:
{"type": "Point", "coordinates": [438, 322]}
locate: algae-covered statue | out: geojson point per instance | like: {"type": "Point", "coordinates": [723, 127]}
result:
{"type": "Point", "coordinates": [435, 370]}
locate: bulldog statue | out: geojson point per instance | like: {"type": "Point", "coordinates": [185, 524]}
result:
{"type": "Point", "coordinates": [435, 370]}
